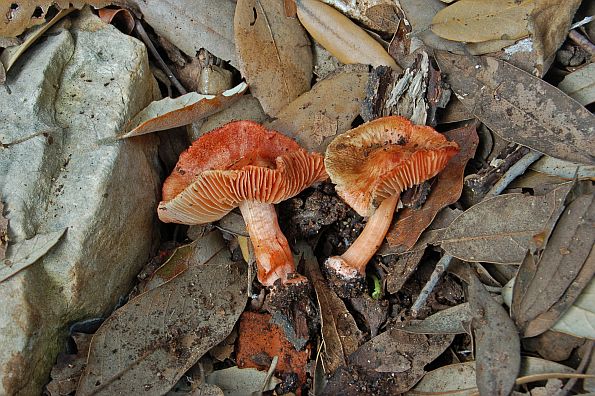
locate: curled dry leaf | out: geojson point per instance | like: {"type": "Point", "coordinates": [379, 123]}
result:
{"type": "Point", "coordinates": [393, 360]}
{"type": "Point", "coordinates": [119, 17]}
{"type": "Point", "coordinates": [198, 24]}
{"type": "Point", "coordinates": [480, 235]}
{"type": "Point", "coordinates": [325, 111]}
{"type": "Point", "coordinates": [340, 333]}
{"type": "Point", "coordinates": [21, 254]}
{"type": "Point", "coordinates": [497, 342]}
{"type": "Point", "coordinates": [167, 329]}
{"type": "Point", "coordinates": [18, 15]}
{"type": "Point", "coordinates": [171, 113]}
{"type": "Point", "coordinates": [522, 108]}
{"type": "Point", "coordinates": [474, 21]}
{"type": "Point", "coordinates": [446, 189]}
{"type": "Point", "coordinates": [273, 51]}
{"type": "Point", "coordinates": [340, 36]}
{"type": "Point", "coordinates": [548, 283]}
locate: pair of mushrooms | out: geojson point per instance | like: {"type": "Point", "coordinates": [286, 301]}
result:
{"type": "Point", "coordinates": [243, 164]}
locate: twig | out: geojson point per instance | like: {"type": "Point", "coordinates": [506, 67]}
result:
{"type": "Point", "coordinates": [441, 267]}
{"type": "Point", "coordinates": [581, 367]}
{"type": "Point", "coordinates": [143, 34]}
{"type": "Point", "coordinates": [512, 173]}
{"type": "Point", "coordinates": [582, 41]}
{"type": "Point", "coordinates": [582, 22]}
{"type": "Point", "coordinates": [270, 373]}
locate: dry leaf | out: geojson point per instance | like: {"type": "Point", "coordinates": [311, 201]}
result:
{"type": "Point", "coordinates": [453, 320]}
{"type": "Point", "coordinates": [497, 343]}
{"type": "Point", "coordinates": [481, 235]}
{"type": "Point", "coordinates": [401, 270]}
{"type": "Point", "coordinates": [325, 111]}
{"type": "Point", "coordinates": [175, 265]}
{"type": "Point", "coordinates": [393, 360]}
{"type": "Point", "coordinates": [579, 320]}
{"type": "Point", "coordinates": [420, 14]}
{"type": "Point", "coordinates": [273, 52]}
{"type": "Point", "coordinates": [446, 189]}
{"type": "Point", "coordinates": [564, 169]}
{"type": "Point", "coordinates": [383, 17]}
{"type": "Point", "coordinates": [358, 10]}
{"type": "Point", "coordinates": [549, 24]}
{"type": "Point", "coordinates": [344, 39]}
{"type": "Point", "coordinates": [234, 381]}
{"type": "Point", "coordinates": [580, 85]}
{"type": "Point", "coordinates": [474, 21]}
{"type": "Point", "coordinates": [149, 343]}
{"type": "Point", "coordinates": [18, 15]}
{"type": "Point", "coordinates": [340, 333]}
{"type": "Point", "coordinates": [121, 18]}
{"type": "Point", "coordinates": [521, 108]}
{"type": "Point", "coordinates": [461, 376]}
{"type": "Point", "coordinates": [547, 284]}
{"type": "Point", "coordinates": [10, 55]}
{"type": "Point", "coordinates": [171, 113]}
{"type": "Point", "coordinates": [68, 368]}
{"type": "Point", "coordinates": [193, 24]}
{"type": "Point", "coordinates": [21, 254]}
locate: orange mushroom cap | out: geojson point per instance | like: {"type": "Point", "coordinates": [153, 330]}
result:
{"type": "Point", "coordinates": [384, 157]}
{"type": "Point", "coordinates": [240, 161]}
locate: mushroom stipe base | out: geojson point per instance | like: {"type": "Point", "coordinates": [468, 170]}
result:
{"type": "Point", "coordinates": [345, 287]}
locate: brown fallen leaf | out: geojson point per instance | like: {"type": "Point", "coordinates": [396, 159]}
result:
{"type": "Point", "coordinates": [273, 52]}
{"type": "Point", "coordinates": [325, 111]}
{"type": "Point", "coordinates": [481, 235]}
{"type": "Point", "coordinates": [340, 333]}
{"type": "Point", "coordinates": [520, 107]}
{"type": "Point", "coordinates": [149, 343]}
{"type": "Point", "coordinates": [497, 342]}
{"type": "Point", "coordinates": [383, 17]}
{"type": "Point", "coordinates": [446, 189]}
{"type": "Point", "coordinates": [393, 360]}
{"type": "Point", "coordinates": [119, 17]}
{"type": "Point", "coordinates": [176, 264]}
{"type": "Point", "coordinates": [474, 21]}
{"type": "Point", "coordinates": [259, 341]}
{"type": "Point", "coordinates": [171, 113]}
{"type": "Point", "coordinates": [401, 269]}
{"type": "Point", "coordinates": [454, 111]}
{"type": "Point", "coordinates": [548, 283]}
{"type": "Point", "coordinates": [18, 15]}
{"type": "Point", "coordinates": [3, 232]}
{"type": "Point", "coordinates": [420, 14]}
{"type": "Point", "coordinates": [198, 24]}
{"type": "Point", "coordinates": [10, 55]}
{"type": "Point", "coordinates": [340, 36]}
{"type": "Point", "coordinates": [549, 23]}
{"type": "Point", "coordinates": [580, 84]}
{"type": "Point", "coordinates": [453, 320]}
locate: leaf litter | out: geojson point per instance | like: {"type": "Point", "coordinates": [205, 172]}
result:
{"type": "Point", "coordinates": [379, 342]}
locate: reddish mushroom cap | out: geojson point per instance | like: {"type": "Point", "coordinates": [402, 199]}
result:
{"type": "Point", "coordinates": [241, 161]}
{"type": "Point", "coordinates": [383, 157]}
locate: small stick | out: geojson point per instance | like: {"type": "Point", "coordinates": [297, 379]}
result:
{"type": "Point", "coordinates": [512, 173]}
{"type": "Point", "coordinates": [441, 267]}
{"type": "Point", "coordinates": [143, 34]}
{"type": "Point", "coordinates": [270, 373]}
{"type": "Point", "coordinates": [582, 42]}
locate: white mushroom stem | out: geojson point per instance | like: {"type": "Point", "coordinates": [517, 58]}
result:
{"type": "Point", "coordinates": [353, 262]}
{"type": "Point", "coordinates": [271, 250]}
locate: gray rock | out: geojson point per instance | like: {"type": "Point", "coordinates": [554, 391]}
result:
{"type": "Point", "coordinates": [62, 169]}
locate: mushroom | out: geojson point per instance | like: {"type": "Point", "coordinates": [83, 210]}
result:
{"type": "Point", "coordinates": [371, 165]}
{"type": "Point", "coordinates": [243, 164]}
